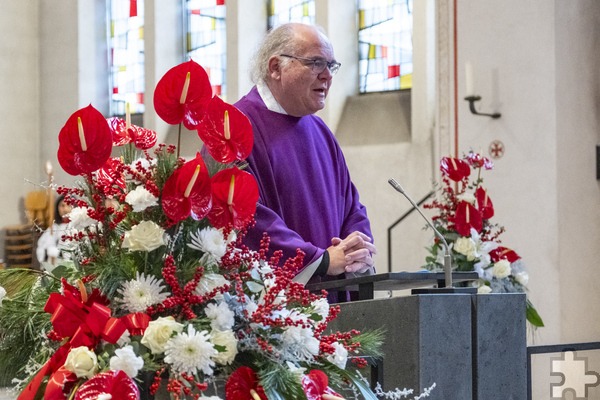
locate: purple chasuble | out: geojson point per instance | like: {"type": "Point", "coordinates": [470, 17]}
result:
{"type": "Point", "coordinates": [306, 195]}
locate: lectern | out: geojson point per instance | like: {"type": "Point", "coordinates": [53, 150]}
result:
{"type": "Point", "coordinates": [471, 346]}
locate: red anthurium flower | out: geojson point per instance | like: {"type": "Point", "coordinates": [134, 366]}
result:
{"type": "Point", "coordinates": [243, 384]}
{"type": "Point", "coordinates": [85, 142]}
{"type": "Point", "coordinates": [467, 217]}
{"type": "Point", "coordinates": [455, 168]}
{"type": "Point", "coordinates": [315, 386]}
{"type": "Point", "coordinates": [484, 203]}
{"type": "Point", "coordinates": [117, 384]}
{"type": "Point", "coordinates": [235, 193]}
{"type": "Point", "coordinates": [183, 94]}
{"type": "Point", "coordinates": [187, 191]}
{"type": "Point", "coordinates": [500, 253]}
{"type": "Point", "coordinates": [60, 384]}
{"type": "Point", "coordinates": [142, 138]}
{"type": "Point", "coordinates": [107, 176]}
{"type": "Point", "coordinates": [477, 161]}
{"type": "Point", "coordinates": [226, 132]}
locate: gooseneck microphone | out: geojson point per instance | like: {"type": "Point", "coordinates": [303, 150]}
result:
{"type": "Point", "coordinates": [447, 256]}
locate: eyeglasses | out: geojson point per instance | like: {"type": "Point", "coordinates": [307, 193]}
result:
{"type": "Point", "coordinates": [317, 65]}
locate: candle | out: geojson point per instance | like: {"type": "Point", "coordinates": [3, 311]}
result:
{"type": "Point", "coordinates": [469, 79]}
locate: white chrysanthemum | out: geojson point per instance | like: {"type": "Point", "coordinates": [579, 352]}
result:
{"type": "Point", "coordinates": [229, 341]}
{"type": "Point", "coordinates": [127, 361]}
{"type": "Point", "coordinates": [2, 294]}
{"type": "Point", "coordinates": [141, 198]}
{"type": "Point", "coordinates": [340, 356]}
{"type": "Point", "coordinates": [190, 352]}
{"type": "Point", "coordinates": [142, 292]}
{"type": "Point", "coordinates": [210, 282]}
{"type": "Point", "coordinates": [79, 218]}
{"type": "Point", "coordinates": [299, 343]}
{"type": "Point", "coordinates": [211, 241]}
{"type": "Point", "coordinates": [222, 317]}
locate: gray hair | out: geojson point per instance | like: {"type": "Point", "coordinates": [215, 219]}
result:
{"type": "Point", "coordinates": [280, 40]}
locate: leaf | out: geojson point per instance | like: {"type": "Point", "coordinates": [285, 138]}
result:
{"type": "Point", "coordinates": [533, 317]}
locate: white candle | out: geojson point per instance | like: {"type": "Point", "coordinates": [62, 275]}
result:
{"type": "Point", "coordinates": [469, 79]}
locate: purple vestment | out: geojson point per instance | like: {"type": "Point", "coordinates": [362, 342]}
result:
{"type": "Point", "coordinates": [306, 195]}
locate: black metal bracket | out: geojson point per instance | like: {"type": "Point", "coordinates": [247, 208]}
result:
{"type": "Point", "coordinates": [472, 100]}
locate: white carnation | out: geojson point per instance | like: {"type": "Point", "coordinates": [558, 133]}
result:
{"type": "Point", "coordinates": [127, 361]}
{"type": "Point", "coordinates": [222, 317]}
{"type": "Point", "coordinates": [79, 218]}
{"type": "Point", "coordinates": [141, 198]}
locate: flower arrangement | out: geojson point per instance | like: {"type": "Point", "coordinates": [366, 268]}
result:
{"type": "Point", "coordinates": [464, 213]}
{"type": "Point", "coordinates": [159, 292]}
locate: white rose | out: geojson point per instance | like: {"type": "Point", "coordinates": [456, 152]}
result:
{"type": "Point", "coordinates": [340, 356]}
{"type": "Point", "coordinates": [2, 294]}
{"type": "Point", "coordinates": [466, 246]}
{"type": "Point", "coordinates": [159, 332]}
{"type": "Point", "coordinates": [79, 218]}
{"type": "Point", "coordinates": [522, 277]}
{"type": "Point", "coordinates": [228, 340]}
{"type": "Point", "coordinates": [484, 289]}
{"type": "Point", "coordinates": [141, 198]}
{"type": "Point", "coordinates": [82, 362]}
{"type": "Point", "coordinates": [501, 269]}
{"type": "Point", "coordinates": [127, 361]}
{"type": "Point", "coordinates": [145, 236]}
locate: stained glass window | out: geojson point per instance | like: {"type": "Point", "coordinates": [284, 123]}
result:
{"type": "Point", "coordinates": [206, 39]}
{"type": "Point", "coordinates": [282, 11]}
{"type": "Point", "coordinates": [126, 44]}
{"type": "Point", "coordinates": [385, 45]}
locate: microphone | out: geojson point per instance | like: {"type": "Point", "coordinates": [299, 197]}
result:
{"type": "Point", "coordinates": [447, 256]}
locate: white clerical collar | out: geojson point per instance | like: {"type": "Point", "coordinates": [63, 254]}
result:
{"type": "Point", "coordinates": [268, 98]}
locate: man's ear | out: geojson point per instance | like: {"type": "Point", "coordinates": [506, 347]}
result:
{"type": "Point", "coordinates": [275, 67]}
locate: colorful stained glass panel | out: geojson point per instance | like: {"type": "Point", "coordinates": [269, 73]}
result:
{"type": "Point", "coordinates": [385, 45]}
{"type": "Point", "coordinates": [282, 11]}
{"type": "Point", "coordinates": [126, 44]}
{"type": "Point", "coordinates": [206, 39]}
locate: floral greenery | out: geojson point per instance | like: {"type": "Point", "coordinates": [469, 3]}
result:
{"type": "Point", "coordinates": [155, 278]}
{"type": "Point", "coordinates": [464, 213]}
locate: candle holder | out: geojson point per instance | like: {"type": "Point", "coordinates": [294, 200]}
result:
{"type": "Point", "coordinates": [472, 99]}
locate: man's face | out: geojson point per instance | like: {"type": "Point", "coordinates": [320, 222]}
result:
{"type": "Point", "coordinates": [297, 88]}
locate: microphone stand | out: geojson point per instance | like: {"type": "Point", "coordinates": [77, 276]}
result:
{"type": "Point", "coordinates": [448, 288]}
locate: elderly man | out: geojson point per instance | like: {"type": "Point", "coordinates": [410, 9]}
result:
{"type": "Point", "coordinates": [307, 200]}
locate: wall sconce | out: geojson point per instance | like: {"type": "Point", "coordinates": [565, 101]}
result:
{"type": "Point", "coordinates": [471, 97]}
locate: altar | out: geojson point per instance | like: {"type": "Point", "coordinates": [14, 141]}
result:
{"type": "Point", "coordinates": [471, 346]}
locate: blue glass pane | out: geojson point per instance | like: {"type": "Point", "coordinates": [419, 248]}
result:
{"type": "Point", "coordinates": [206, 39]}
{"type": "Point", "coordinates": [282, 11]}
{"type": "Point", "coordinates": [126, 44]}
{"type": "Point", "coordinates": [385, 45]}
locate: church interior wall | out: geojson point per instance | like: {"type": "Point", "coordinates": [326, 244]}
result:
{"type": "Point", "coordinates": [535, 62]}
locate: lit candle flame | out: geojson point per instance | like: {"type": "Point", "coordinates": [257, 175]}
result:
{"type": "Point", "coordinates": [226, 125]}
{"type": "Point", "coordinates": [49, 169]}
{"type": "Point", "coordinates": [192, 182]}
{"type": "Point", "coordinates": [186, 87]}
{"type": "Point", "coordinates": [81, 135]}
